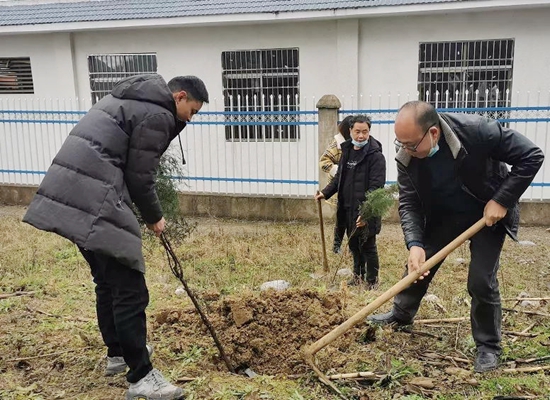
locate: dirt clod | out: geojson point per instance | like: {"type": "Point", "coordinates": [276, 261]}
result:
{"type": "Point", "coordinates": [241, 315]}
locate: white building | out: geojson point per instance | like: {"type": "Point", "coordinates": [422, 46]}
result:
{"type": "Point", "coordinates": [293, 48]}
{"type": "Point", "coordinates": [341, 47]}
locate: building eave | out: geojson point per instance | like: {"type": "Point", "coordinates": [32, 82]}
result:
{"type": "Point", "coordinates": [296, 16]}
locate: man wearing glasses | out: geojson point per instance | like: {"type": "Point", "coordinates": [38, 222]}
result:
{"type": "Point", "coordinates": [452, 172]}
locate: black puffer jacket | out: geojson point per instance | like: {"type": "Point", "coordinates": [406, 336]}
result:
{"type": "Point", "coordinates": [108, 161]}
{"type": "Point", "coordinates": [369, 174]}
{"type": "Point", "coordinates": [481, 148]}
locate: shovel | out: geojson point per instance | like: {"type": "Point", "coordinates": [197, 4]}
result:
{"type": "Point", "coordinates": [309, 351]}
{"type": "Point", "coordinates": [320, 211]}
{"type": "Point", "coordinates": [177, 270]}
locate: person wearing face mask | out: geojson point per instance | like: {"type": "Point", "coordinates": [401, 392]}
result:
{"type": "Point", "coordinates": [362, 169]}
{"type": "Point", "coordinates": [329, 164]}
{"type": "Point", "coordinates": [451, 173]}
{"type": "Point", "coordinates": [109, 161]}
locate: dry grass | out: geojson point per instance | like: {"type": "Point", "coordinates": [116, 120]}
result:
{"type": "Point", "coordinates": [232, 258]}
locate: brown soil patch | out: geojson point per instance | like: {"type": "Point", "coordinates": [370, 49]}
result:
{"type": "Point", "coordinates": [265, 331]}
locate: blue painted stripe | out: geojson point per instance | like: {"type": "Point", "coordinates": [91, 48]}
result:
{"type": "Point", "coordinates": [223, 113]}
{"type": "Point", "coordinates": [252, 123]}
{"type": "Point", "coordinates": [523, 119]}
{"type": "Point", "coordinates": [249, 180]}
{"type": "Point", "coordinates": [460, 109]}
{"type": "Point", "coordinates": [218, 179]}
{"type": "Point", "coordinates": [46, 121]}
{"type": "Point", "coordinates": [21, 171]}
{"type": "Point", "coordinates": [313, 112]}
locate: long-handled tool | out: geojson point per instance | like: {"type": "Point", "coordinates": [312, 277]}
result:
{"type": "Point", "coordinates": [320, 211]}
{"type": "Point", "coordinates": [309, 351]}
{"type": "Point", "coordinates": [177, 270]}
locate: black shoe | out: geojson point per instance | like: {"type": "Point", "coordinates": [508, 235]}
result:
{"type": "Point", "coordinates": [485, 362]}
{"type": "Point", "coordinates": [387, 319]}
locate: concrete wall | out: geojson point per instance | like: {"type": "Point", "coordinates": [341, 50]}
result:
{"type": "Point", "coordinates": [389, 47]}
{"type": "Point", "coordinates": [266, 208]}
{"type": "Point", "coordinates": [51, 63]}
{"type": "Point", "coordinates": [197, 51]}
{"type": "Point", "coordinates": [345, 57]}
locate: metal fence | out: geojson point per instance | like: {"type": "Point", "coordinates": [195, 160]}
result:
{"type": "Point", "coordinates": [32, 131]}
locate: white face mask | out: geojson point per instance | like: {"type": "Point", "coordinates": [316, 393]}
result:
{"type": "Point", "coordinates": [359, 144]}
{"type": "Point", "coordinates": [433, 149]}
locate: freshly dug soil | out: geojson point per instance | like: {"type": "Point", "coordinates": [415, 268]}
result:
{"type": "Point", "coordinates": [265, 331]}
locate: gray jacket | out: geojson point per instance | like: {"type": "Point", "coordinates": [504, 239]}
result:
{"type": "Point", "coordinates": [108, 161]}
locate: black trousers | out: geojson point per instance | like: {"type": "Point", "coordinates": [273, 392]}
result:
{"type": "Point", "coordinates": [364, 252]}
{"type": "Point", "coordinates": [121, 299]}
{"type": "Point", "coordinates": [485, 249]}
{"type": "Point", "coordinates": [339, 232]}
{"type": "Point", "coordinates": [362, 246]}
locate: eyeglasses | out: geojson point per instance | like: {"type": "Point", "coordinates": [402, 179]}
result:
{"type": "Point", "coordinates": [412, 148]}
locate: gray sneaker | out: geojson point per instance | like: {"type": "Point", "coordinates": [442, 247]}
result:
{"type": "Point", "coordinates": [117, 365]}
{"type": "Point", "coordinates": [153, 387]}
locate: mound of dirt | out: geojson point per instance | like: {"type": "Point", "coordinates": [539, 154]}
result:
{"type": "Point", "coordinates": [265, 331]}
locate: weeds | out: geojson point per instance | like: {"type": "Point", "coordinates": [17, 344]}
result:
{"type": "Point", "coordinates": [232, 258]}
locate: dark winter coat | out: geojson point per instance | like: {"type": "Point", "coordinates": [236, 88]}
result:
{"type": "Point", "coordinates": [108, 161]}
{"type": "Point", "coordinates": [482, 148]}
{"type": "Point", "coordinates": [369, 174]}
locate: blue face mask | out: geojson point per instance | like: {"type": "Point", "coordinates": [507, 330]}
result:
{"type": "Point", "coordinates": [434, 149]}
{"type": "Point", "coordinates": [359, 144]}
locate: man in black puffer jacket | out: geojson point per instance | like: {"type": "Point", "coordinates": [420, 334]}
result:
{"type": "Point", "coordinates": [451, 173]}
{"type": "Point", "coordinates": [362, 169]}
{"type": "Point", "coordinates": [108, 162]}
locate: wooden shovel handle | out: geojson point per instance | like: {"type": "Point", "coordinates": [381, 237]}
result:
{"type": "Point", "coordinates": [394, 290]}
{"type": "Point", "coordinates": [320, 211]}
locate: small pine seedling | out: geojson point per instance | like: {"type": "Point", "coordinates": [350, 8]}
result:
{"type": "Point", "coordinates": [378, 202]}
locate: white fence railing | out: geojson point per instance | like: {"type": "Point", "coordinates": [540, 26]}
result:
{"type": "Point", "coordinates": [249, 151]}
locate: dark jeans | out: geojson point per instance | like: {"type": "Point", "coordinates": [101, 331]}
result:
{"type": "Point", "coordinates": [121, 299]}
{"type": "Point", "coordinates": [485, 248]}
{"type": "Point", "coordinates": [364, 251]}
{"type": "Point", "coordinates": [339, 232]}
{"type": "Point", "coordinates": [362, 247]}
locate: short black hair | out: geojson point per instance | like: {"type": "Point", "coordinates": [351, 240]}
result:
{"type": "Point", "coordinates": [194, 87]}
{"type": "Point", "coordinates": [425, 114]}
{"type": "Point", "coordinates": [360, 119]}
{"type": "Point", "coordinates": [344, 127]}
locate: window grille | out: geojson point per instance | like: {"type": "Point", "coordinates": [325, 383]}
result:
{"type": "Point", "coordinates": [261, 89]}
{"type": "Point", "coordinates": [16, 75]}
{"type": "Point", "coordinates": [105, 70]}
{"type": "Point", "coordinates": [475, 73]}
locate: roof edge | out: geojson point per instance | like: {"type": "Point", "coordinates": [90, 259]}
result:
{"type": "Point", "coordinates": [271, 17]}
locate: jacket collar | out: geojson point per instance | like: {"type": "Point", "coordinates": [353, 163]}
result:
{"type": "Point", "coordinates": [450, 137]}
{"type": "Point", "coordinates": [339, 140]}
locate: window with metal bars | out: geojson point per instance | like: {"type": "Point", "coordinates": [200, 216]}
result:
{"type": "Point", "coordinates": [16, 75]}
{"type": "Point", "coordinates": [105, 70]}
{"type": "Point", "coordinates": [261, 94]}
{"type": "Point", "coordinates": [466, 74]}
